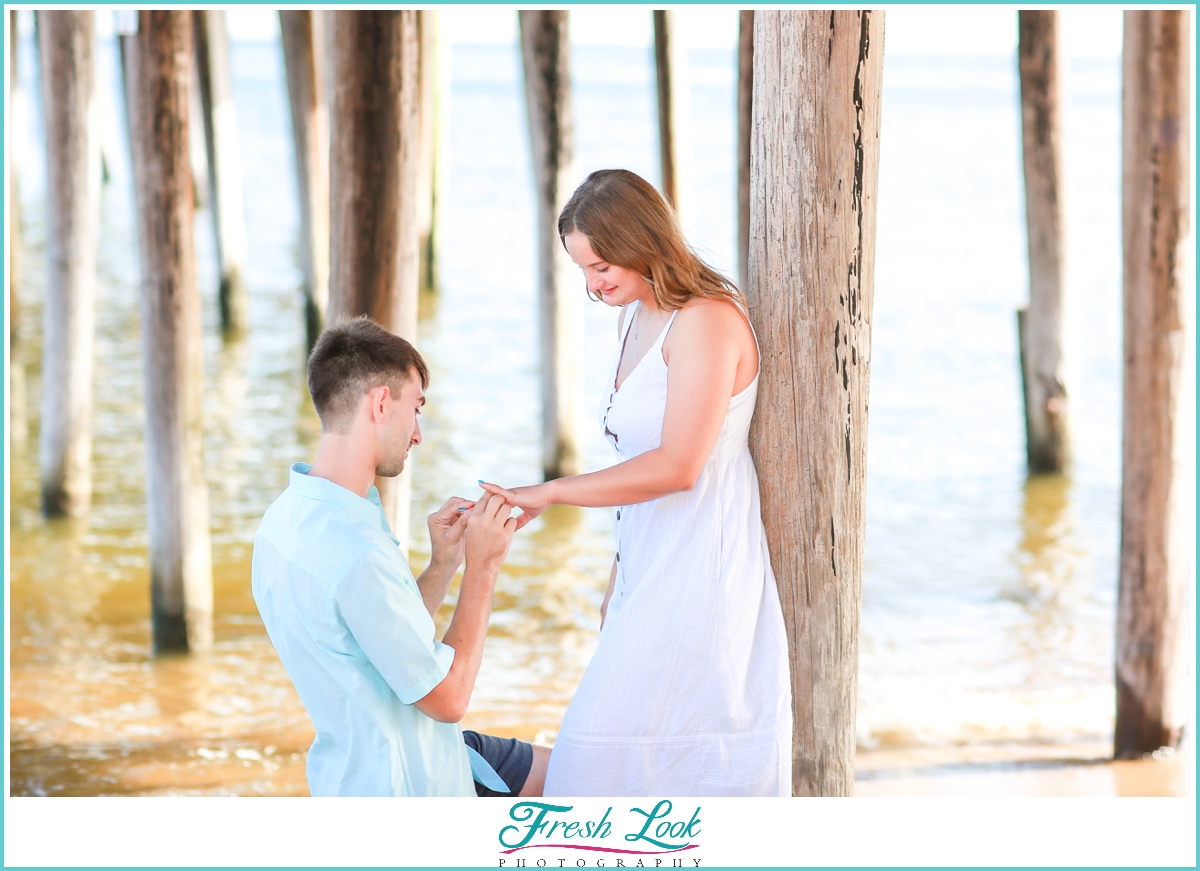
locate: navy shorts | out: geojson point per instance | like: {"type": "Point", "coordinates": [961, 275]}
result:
{"type": "Point", "coordinates": [509, 758]}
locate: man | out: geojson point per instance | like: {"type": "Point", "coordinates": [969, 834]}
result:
{"type": "Point", "coordinates": [352, 626]}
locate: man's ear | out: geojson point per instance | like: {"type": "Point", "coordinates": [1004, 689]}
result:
{"type": "Point", "coordinates": [376, 399]}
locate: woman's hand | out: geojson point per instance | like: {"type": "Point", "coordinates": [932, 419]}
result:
{"type": "Point", "coordinates": [532, 500]}
{"type": "Point", "coordinates": [489, 533]}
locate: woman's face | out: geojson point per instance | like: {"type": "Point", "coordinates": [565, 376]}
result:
{"type": "Point", "coordinates": [615, 285]}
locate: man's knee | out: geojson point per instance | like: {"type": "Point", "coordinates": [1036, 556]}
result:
{"type": "Point", "coordinates": [535, 782]}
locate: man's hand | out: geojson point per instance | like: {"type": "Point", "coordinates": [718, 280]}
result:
{"type": "Point", "coordinates": [489, 532]}
{"type": "Point", "coordinates": [446, 528]}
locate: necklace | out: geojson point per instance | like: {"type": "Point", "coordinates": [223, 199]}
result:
{"type": "Point", "coordinates": [637, 327]}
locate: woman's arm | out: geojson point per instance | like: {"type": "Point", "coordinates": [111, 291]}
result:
{"type": "Point", "coordinates": [706, 345]}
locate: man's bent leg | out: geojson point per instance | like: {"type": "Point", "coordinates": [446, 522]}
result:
{"type": "Point", "coordinates": [536, 781]}
{"type": "Point", "coordinates": [517, 763]}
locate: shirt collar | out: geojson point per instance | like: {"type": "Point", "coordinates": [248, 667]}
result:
{"type": "Point", "coordinates": [368, 511]}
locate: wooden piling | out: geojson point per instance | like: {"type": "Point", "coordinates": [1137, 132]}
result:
{"type": "Point", "coordinates": [197, 149]}
{"type": "Point", "coordinates": [745, 119]}
{"type": "Point", "coordinates": [14, 198]}
{"type": "Point", "coordinates": [674, 113]}
{"type": "Point", "coordinates": [545, 48]}
{"type": "Point", "coordinates": [17, 417]}
{"type": "Point", "coordinates": [157, 60]}
{"type": "Point", "coordinates": [1157, 488]}
{"type": "Point", "coordinates": [304, 57]}
{"type": "Point", "coordinates": [814, 176]}
{"type": "Point", "coordinates": [1041, 327]}
{"type": "Point", "coordinates": [68, 40]}
{"type": "Point", "coordinates": [430, 170]}
{"type": "Point", "coordinates": [374, 149]}
{"type": "Point", "coordinates": [224, 165]}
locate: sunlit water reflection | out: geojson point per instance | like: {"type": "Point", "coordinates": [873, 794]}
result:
{"type": "Point", "coordinates": [988, 600]}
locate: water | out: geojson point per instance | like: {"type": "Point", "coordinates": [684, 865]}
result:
{"type": "Point", "coordinates": [988, 601]}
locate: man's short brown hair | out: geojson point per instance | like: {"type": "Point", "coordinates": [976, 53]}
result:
{"type": "Point", "coordinates": [353, 356]}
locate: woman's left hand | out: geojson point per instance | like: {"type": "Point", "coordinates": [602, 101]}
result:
{"type": "Point", "coordinates": [532, 500]}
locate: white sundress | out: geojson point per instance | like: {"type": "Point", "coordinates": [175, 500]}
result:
{"type": "Point", "coordinates": [689, 692]}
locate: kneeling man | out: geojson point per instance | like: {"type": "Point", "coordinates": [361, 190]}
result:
{"type": "Point", "coordinates": [352, 626]}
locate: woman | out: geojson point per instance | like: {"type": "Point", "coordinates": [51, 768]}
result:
{"type": "Point", "coordinates": [688, 693]}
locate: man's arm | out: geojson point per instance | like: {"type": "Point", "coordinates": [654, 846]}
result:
{"type": "Point", "coordinates": [489, 532]}
{"type": "Point", "coordinates": [446, 528]}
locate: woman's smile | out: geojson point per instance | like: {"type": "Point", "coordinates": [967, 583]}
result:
{"type": "Point", "coordinates": [615, 285]}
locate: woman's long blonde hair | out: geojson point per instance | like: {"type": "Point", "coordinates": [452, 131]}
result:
{"type": "Point", "coordinates": [629, 224]}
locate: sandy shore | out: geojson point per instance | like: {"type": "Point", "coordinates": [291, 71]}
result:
{"type": "Point", "coordinates": [1074, 769]}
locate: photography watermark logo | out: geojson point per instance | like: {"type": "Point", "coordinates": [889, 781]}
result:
{"type": "Point", "coordinates": [640, 839]}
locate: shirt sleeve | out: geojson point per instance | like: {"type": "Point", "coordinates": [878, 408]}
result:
{"type": "Point", "coordinates": [380, 604]}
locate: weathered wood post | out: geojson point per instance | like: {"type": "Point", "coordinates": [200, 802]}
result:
{"type": "Point", "coordinates": [224, 165]}
{"type": "Point", "coordinates": [374, 149]}
{"type": "Point", "coordinates": [125, 23]}
{"type": "Point", "coordinates": [197, 149]}
{"type": "Point", "coordinates": [107, 133]}
{"type": "Point", "coordinates": [14, 199]}
{"type": "Point", "coordinates": [674, 114]}
{"type": "Point", "coordinates": [1157, 488]}
{"type": "Point", "coordinates": [745, 96]}
{"type": "Point", "coordinates": [304, 57]}
{"type": "Point", "coordinates": [68, 40]}
{"type": "Point", "coordinates": [1041, 328]}
{"type": "Point", "coordinates": [546, 51]}
{"type": "Point", "coordinates": [157, 60]}
{"type": "Point", "coordinates": [17, 418]}
{"type": "Point", "coordinates": [433, 108]}
{"type": "Point", "coordinates": [814, 175]}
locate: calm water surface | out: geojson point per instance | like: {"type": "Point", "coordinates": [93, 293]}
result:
{"type": "Point", "coordinates": [988, 600]}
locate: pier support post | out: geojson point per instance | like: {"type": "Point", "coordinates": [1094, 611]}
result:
{"type": "Point", "coordinates": [1157, 487]}
{"type": "Point", "coordinates": [1041, 328]}
{"type": "Point", "coordinates": [674, 114]}
{"type": "Point", "coordinates": [745, 120]}
{"type": "Point", "coordinates": [14, 198]}
{"type": "Point", "coordinates": [67, 49]}
{"type": "Point", "coordinates": [545, 48]}
{"type": "Point", "coordinates": [374, 147]}
{"type": "Point", "coordinates": [197, 149]}
{"type": "Point", "coordinates": [157, 62]}
{"type": "Point", "coordinates": [304, 57]}
{"type": "Point", "coordinates": [814, 176]}
{"type": "Point", "coordinates": [17, 419]}
{"type": "Point", "coordinates": [224, 165]}
{"type": "Point", "coordinates": [431, 170]}
{"type": "Point", "coordinates": [18, 423]}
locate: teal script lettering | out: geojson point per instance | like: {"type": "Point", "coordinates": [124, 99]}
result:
{"type": "Point", "coordinates": [658, 826]}
{"type": "Point", "coordinates": [534, 815]}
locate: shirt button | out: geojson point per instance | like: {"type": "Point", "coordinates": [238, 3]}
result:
{"type": "Point", "coordinates": [618, 557]}
{"type": "Point", "coordinates": [618, 514]}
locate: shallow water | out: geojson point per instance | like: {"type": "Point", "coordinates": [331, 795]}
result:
{"type": "Point", "coordinates": [988, 600]}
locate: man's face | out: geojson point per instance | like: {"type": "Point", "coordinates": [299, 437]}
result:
{"type": "Point", "coordinates": [401, 428]}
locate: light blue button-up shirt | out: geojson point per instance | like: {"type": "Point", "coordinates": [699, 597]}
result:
{"type": "Point", "coordinates": [344, 612]}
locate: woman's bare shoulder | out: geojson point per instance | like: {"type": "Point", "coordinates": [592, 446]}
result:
{"type": "Point", "coordinates": [709, 315]}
